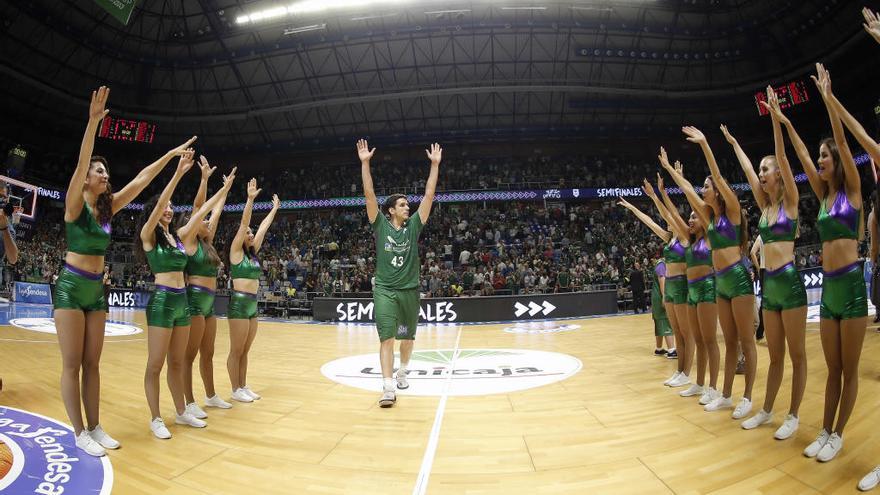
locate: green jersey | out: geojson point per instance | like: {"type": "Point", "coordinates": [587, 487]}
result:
{"type": "Point", "coordinates": [563, 280]}
{"type": "Point", "coordinates": [397, 253]}
{"type": "Point", "coordinates": [657, 309]}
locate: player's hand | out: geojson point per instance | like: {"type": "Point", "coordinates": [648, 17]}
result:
{"type": "Point", "coordinates": [664, 159]}
{"type": "Point", "coordinates": [648, 189]}
{"type": "Point", "coordinates": [252, 190]}
{"type": "Point", "coordinates": [435, 154]}
{"type": "Point", "coordinates": [205, 168]}
{"type": "Point", "coordinates": [97, 110]}
{"type": "Point", "coordinates": [364, 151]}
{"type": "Point", "coordinates": [228, 179]}
{"type": "Point", "coordinates": [180, 150]}
{"type": "Point", "coordinates": [872, 23]}
{"type": "Point", "coordinates": [694, 135]}
{"type": "Point", "coordinates": [186, 161]}
{"type": "Point", "coordinates": [729, 137]}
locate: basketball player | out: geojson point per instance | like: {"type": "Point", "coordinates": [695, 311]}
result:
{"type": "Point", "coordinates": [396, 293]}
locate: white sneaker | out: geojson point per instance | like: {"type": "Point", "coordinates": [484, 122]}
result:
{"type": "Point", "coordinates": [870, 480]}
{"type": "Point", "coordinates": [195, 410]}
{"type": "Point", "coordinates": [388, 399]}
{"type": "Point", "coordinates": [103, 439]}
{"type": "Point", "coordinates": [831, 448]}
{"type": "Point", "coordinates": [402, 382]}
{"type": "Point", "coordinates": [157, 426]}
{"type": "Point", "coordinates": [681, 381]}
{"type": "Point", "coordinates": [691, 391]}
{"type": "Point", "coordinates": [762, 418]}
{"type": "Point", "coordinates": [241, 396]}
{"type": "Point", "coordinates": [250, 392]}
{"type": "Point", "coordinates": [672, 378]}
{"type": "Point", "coordinates": [188, 419]}
{"type": "Point", "coordinates": [788, 428]}
{"type": "Point", "coordinates": [216, 401]}
{"type": "Point", "coordinates": [742, 409]}
{"type": "Point", "coordinates": [85, 442]}
{"type": "Point", "coordinates": [709, 394]}
{"type": "Point", "coordinates": [720, 402]}
{"type": "Point", "coordinates": [813, 449]}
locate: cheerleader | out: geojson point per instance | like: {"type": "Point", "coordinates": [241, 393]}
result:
{"type": "Point", "coordinates": [78, 300]}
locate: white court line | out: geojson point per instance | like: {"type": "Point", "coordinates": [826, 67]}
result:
{"type": "Point", "coordinates": [431, 449]}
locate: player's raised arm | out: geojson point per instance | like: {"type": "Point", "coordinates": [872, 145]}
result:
{"type": "Point", "coordinates": [365, 154]}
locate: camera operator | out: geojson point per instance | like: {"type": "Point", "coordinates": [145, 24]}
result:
{"type": "Point", "coordinates": [8, 249]}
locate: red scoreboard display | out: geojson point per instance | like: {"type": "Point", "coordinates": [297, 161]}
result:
{"type": "Point", "coordinates": [790, 94]}
{"type": "Point", "coordinates": [127, 130]}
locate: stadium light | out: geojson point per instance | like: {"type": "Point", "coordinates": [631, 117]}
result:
{"type": "Point", "coordinates": [307, 7]}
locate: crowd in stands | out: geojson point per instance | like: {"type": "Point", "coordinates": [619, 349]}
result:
{"type": "Point", "coordinates": [466, 249]}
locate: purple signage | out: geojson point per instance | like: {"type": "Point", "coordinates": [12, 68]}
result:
{"type": "Point", "coordinates": [38, 455]}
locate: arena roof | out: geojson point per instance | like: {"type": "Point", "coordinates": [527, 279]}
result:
{"type": "Point", "coordinates": [398, 69]}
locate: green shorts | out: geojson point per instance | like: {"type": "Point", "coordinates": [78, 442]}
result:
{"type": "Point", "coordinates": [734, 281]}
{"type": "Point", "coordinates": [844, 294]}
{"type": "Point", "coordinates": [701, 290]}
{"type": "Point", "coordinates": [662, 328]}
{"type": "Point", "coordinates": [168, 308]}
{"type": "Point", "coordinates": [78, 289]}
{"type": "Point", "coordinates": [242, 306]}
{"type": "Point", "coordinates": [201, 301]}
{"type": "Point", "coordinates": [658, 311]}
{"type": "Point", "coordinates": [783, 289]}
{"type": "Point", "coordinates": [396, 313]}
{"type": "Point", "coordinates": [676, 290]}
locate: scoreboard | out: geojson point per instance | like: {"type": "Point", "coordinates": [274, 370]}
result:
{"type": "Point", "coordinates": [789, 94]}
{"type": "Point", "coordinates": [127, 130]}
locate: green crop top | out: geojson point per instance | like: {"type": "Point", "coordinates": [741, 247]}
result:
{"type": "Point", "coordinates": [200, 264]}
{"type": "Point", "coordinates": [674, 252]}
{"type": "Point", "coordinates": [785, 229]}
{"type": "Point", "coordinates": [723, 234]}
{"type": "Point", "coordinates": [85, 236]}
{"type": "Point", "coordinates": [167, 259]}
{"type": "Point", "coordinates": [841, 221]}
{"type": "Point", "coordinates": [698, 254]}
{"type": "Point", "coordinates": [248, 268]}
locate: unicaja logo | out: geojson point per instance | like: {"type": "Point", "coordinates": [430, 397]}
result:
{"type": "Point", "coordinates": [468, 371]}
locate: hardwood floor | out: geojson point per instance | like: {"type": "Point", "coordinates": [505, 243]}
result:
{"type": "Point", "coordinates": [611, 427]}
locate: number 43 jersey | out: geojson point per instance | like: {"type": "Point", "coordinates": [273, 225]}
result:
{"type": "Point", "coordinates": [397, 253]}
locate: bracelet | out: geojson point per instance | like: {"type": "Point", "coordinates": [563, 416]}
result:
{"type": "Point", "coordinates": [4, 228]}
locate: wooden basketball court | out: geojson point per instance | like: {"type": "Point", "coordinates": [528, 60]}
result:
{"type": "Point", "coordinates": [612, 427]}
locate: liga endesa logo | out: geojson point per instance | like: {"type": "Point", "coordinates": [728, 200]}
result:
{"type": "Point", "coordinates": [475, 372]}
{"type": "Point", "coordinates": [47, 325]}
{"type": "Point", "coordinates": [38, 455]}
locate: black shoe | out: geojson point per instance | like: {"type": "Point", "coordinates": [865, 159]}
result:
{"type": "Point", "coordinates": [673, 354]}
{"type": "Point", "coordinates": [877, 318]}
{"type": "Point", "coordinates": [660, 352]}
